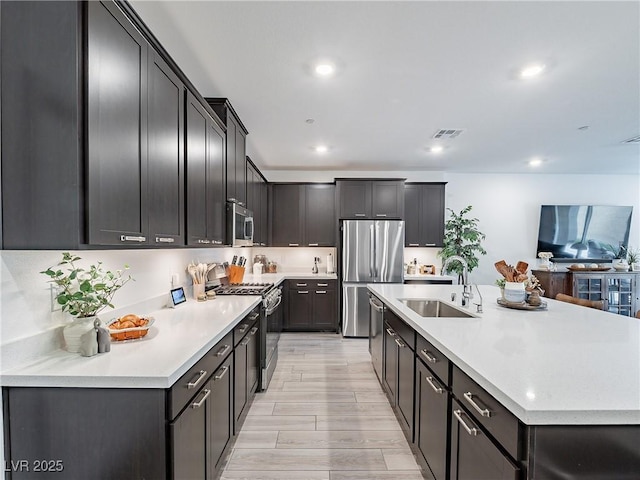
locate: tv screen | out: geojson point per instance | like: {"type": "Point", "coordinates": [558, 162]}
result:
{"type": "Point", "coordinates": [588, 232]}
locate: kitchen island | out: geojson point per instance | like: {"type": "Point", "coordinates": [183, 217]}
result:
{"type": "Point", "coordinates": [564, 382]}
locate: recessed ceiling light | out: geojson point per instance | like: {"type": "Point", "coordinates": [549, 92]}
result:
{"type": "Point", "coordinates": [532, 70]}
{"type": "Point", "coordinates": [436, 149]}
{"type": "Point", "coordinates": [535, 162]}
{"type": "Point", "coordinates": [325, 69]}
{"type": "Point", "coordinates": [321, 149]}
{"type": "Point", "coordinates": [309, 121]}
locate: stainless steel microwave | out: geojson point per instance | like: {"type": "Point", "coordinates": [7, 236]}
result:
{"type": "Point", "coordinates": [239, 225]}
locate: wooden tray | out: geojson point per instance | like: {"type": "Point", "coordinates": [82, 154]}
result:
{"type": "Point", "coordinates": [587, 269]}
{"type": "Point", "coordinates": [521, 305]}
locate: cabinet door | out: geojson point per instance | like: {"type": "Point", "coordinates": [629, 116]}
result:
{"type": "Point", "coordinates": [620, 294]}
{"type": "Point", "coordinates": [241, 167]}
{"type": "Point", "coordinates": [432, 215]}
{"type": "Point", "coordinates": [232, 128]}
{"type": "Point", "coordinates": [432, 419]}
{"type": "Point", "coordinates": [355, 198]}
{"type": "Point", "coordinates": [216, 193]}
{"type": "Point", "coordinates": [196, 167]}
{"type": "Point", "coordinates": [390, 365]}
{"type": "Point", "coordinates": [320, 226]}
{"type": "Point", "coordinates": [166, 154]}
{"type": "Point", "coordinates": [589, 287]}
{"type": "Point", "coordinates": [387, 199]}
{"type": "Point", "coordinates": [287, 225]}
{"type": "Point", "coordinates": [405, 395]}
{"type": "Point", "coordinates": [117, 128]}
{"type": "Point", "coordinates": [264, 213]}
{"type": "Point", "coordinates": [240, 381]}
{"type": "Point", "coordinates": [473, 454]}
{"type": "Point", "coordinates": [413, 215]}
{"type": "Point", "coordinates": [299, 309]}
{"type": "Point", "coordinates": [253, 359]}
{"type": "Point", "coordinates": [324, 309]}
{"type": "Point", "coordinates": [189, 438]}
{"type": "Point", "coordinates": [220, 414]}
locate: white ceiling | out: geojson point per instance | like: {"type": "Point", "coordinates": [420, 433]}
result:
{"type": "Point", "coordinates": [407, 69]}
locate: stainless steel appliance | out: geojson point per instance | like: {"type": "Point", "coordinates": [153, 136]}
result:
{"type": "Point", "coordinates": [372, 252]}
{"type": "Point", "coordinates": [376, 338]}
{"type": "Point", "coordinates": [270, 322]}
{"type": "Point", "coordinates": [239, 225]}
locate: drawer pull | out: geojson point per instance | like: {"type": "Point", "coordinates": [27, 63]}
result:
{"type": "Point", "coordinates": [254, 316]}
{"type": "Point", "coordinates": [414, 244]}
{"type": "Point", "coordinates": [430, 358]}
{"type": "Point", "coordinates": [400, 343]}
{"type": "Point", "coordinates": [313, 244]}
{"type": "Point", "coordinates": [193, 384]}
{"type": "Point", "coordinates": [294, 244]}
{"type": "Point", "coordinates": [381, 214]}
{"type": "Point", "coordinates": [323, 284]}
{"type": "Point", "coordinates": [245, 341]}
{"type": "Point", "coordinates": [485, 412]}
{"type": "Point", "coordinates": [206, 242]}
{"type": "Point", "coordinates": [165, 240]}
{"type": "Point", "coordinates": [217, 242]}
{"type": "Point", "coordinates": [470, 430]}
{"type": "Point", "coordinates": [201, 402]}
{"type": "Point", "coordinates": [303, 292]}
{"type": "Point", "coordinates": [321, 292]}
{"type": "Point", "coordinates": [225, 369]}
{"type": "Point", "coordinates": [243, 327]}
{"type": "Point", "coordinates": [223, 350]}
{"type": "Point", "coordinates": [359, 214]}
{"type": "Point", "coordinates": [391, 332]}
{"type": "Point", "coordinates": [437, 389]}
{"type": "Point", "coordinates": [301, 284]}
{"type": "Point", "coordinates": [253, 331]}
{"type": "Point", "coordinates": [132, 238]}
{"type": "Point", "coordinates": [429, 244]}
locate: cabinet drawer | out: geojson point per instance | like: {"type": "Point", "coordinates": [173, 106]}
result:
{"type": "Point", "coordinates": [495, 418]}
{"type": "Point", "coordinates": [404, 331]}
{"type": "Point", "coordinates": [315, 284]}
{"type": "Point", "coordinates": [434, 359]}
{"type": "Point", "coordinates": [189, 384]}
{"type": "Point", "coordinates": [245, 325]}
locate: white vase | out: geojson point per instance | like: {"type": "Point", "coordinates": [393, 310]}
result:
{"type": "Point", "coordinates": [73, 331]}
{"type": "Point", "coordinates": [514, 292]}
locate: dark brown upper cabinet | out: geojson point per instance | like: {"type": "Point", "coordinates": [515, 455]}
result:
{"type": "Point", "coordinates": [424, 214]}
{"type": "Point", "coordinates": [370, 199]}
{"type": "Point", "coordinates": [236, 157]}
{"type": "Point", "coordinates": [205, 177]}
{"type": "Point", "coordinates": [303, 215]}
{"type": "Point", "coordinates": [257, 203]}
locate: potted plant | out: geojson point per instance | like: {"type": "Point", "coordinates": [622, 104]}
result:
{"type": "Point", "coordinates": [501, 282]}
{"type": "Point", "coordinates": [83, 293]}
{"type": "Point", "coordinates": [462, 238]}
{"type": "Point", "coordinates": [633, 257]}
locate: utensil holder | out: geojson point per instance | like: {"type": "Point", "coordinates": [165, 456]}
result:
{"type": "Point", "coordinates": [236, 274]}
{"type": "Point", "coordinates": [198, 289]}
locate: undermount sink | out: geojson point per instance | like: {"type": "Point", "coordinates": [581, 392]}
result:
{"type": "Point", "coordinates": [434, 308]}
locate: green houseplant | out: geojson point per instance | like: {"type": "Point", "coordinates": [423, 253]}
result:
{"type": "Point", "coordinates": [83, 293]}
{"type": "Point", "coordinates": [633, 258]}
{"type": "Point", "coordinates": [462, 238]}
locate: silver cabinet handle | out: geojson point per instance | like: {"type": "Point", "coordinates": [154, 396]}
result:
{"type": "Point", "coordinates": [470, 430]}
{"type": "Point", "coordinates": [323, 284]}
{"type": "Point", "coordinates": [321, 292]}
{"type": "Point", "coordinates": [194, 383]}
{"type": "Point", "coordinates": [201, 402]}
{"type": "Point", "coordinates": [359, 214]}
{"type": "Point", "coordinates": [132, 238]}
{"type": "Point", "coordinates": [206, 242]}
{"type": "Point", "coordinates": [430, 358]}
{"type": "Point", "coordinates": [400, 343]}
{"type": "Point", "coordinates": [303, 292]}
{"type": "Point", "coordinates": [242, 204]}
{"type": "Point", "coordinates": [225, 369]}
{"type": "Point", "coordinates": [294, 244]}
{"type": "Point", "coordinates": [376, 307]}
{"type": "Point", "coordinates": [414, 244]}
{"type": "Point", "coordinates": [254, 316]}
{"type": "Point", "coordinates": [216, 242]}
{"type": "Point", "coordinates": [301, 284]}
{"type": "Point", "coordinates": [437, 389]}
{"type": "Point", "coordinates": [223, 350]}
{"type": "Point", "coordinates": [381, 214]}
{"type": "Point", "coordinates": [243, 327]}
{"type": "Point", "coordinates": [165, 240]}
{"type": "Point", "coordinates": [313, 244]}
{"type": "Point", "coordinates": [429, 244]}
{"type": "Point", "coordinates": [485, 412]}
{"type": "Point", "coordinates": [253, 331]}
{"type": "Point", "coordinates": [245, 341]}
{"type": "Point", "coordinates": [391, 332]}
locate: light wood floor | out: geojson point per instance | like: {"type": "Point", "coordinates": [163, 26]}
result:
{"type": "Point", "coordinates": [324, 417]}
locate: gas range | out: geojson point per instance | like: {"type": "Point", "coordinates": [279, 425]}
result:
{"type": "Point", "coordinates": [243, 289]}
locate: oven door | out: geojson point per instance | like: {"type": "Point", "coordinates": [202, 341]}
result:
{"type": "Point", "coordinates": [272, 316]}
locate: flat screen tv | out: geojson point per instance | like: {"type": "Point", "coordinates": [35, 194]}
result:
{"type": "Point", "coordinates": [585, 232]}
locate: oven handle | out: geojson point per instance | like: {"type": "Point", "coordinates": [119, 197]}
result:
{"type": "Point", "coordinates": [272, 309]}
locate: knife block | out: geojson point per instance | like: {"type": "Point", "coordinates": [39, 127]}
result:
{"type": "Point", "coordinates": [236, 274]}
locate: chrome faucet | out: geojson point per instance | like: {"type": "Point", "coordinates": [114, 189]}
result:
{"type": "Point", "coordinates": [467, 293]}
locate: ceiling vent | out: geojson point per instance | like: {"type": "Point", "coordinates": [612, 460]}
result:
{"type": "Point", "coordinates": [635, 139]}
{"type": "Point", "coordinates": [447, 133]}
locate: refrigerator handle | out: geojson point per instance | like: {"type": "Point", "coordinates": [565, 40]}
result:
{"type": "Point", "coordinates": [375, 252]}
{"type": "Point", "coordinates": [372, 257]}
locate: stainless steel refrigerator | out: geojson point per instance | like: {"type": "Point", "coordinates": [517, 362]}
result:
{"type": "Point", "coordinates": [372, 252]}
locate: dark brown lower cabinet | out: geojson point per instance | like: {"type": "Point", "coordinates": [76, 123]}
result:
{"type": "Point", "coordinates": [245, 374]}
{"type": "Point", "coordinates": [390, 365]}
{"type": "Point", "coordinates": [311, 305]}
{"type": "Point", "coordinates": [432, 417]}
{"type": "Point", "coordinates": [220, 422]}
{"type": "Point", "coordinates": [189, 438]}
{"type": "Point", "coordinates": [473, 455]}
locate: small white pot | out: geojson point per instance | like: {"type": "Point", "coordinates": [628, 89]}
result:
{"type": "Point", "coordinates": [514, 292]}
{"type": "Point", "coordinates": [635, 267]}
{"type": "Point", "coordinates": [75, 330]}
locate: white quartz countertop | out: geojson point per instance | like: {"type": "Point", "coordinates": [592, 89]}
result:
{"type": "Point", "coordinates": [428, 276]}
{"type": "Point", "coordinates": [562, 366]}
{"type": "Point", "coordinates": [175, 342]}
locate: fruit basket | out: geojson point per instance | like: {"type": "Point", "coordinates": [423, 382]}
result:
{"type": "Point", "coordinates": [129, 333]}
